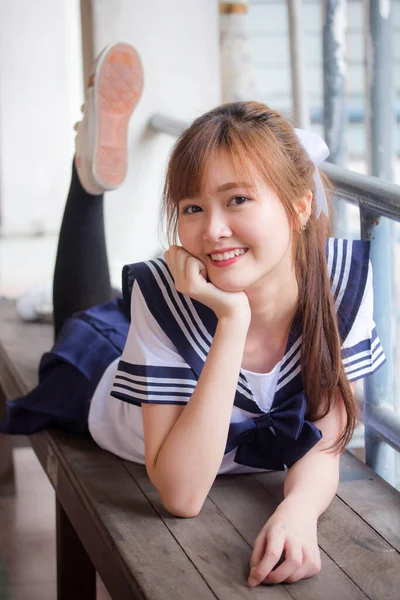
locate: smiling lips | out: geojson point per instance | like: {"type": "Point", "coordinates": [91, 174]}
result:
{"type": "Point", "coordinates": [228, 257]}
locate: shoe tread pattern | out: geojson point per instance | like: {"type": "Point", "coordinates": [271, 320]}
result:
{"type": "Point", "coordinates": [119, 88]}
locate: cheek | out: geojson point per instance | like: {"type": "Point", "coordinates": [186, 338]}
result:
{"type": "Point", "coordinates": [270, 230]}
{"type": "Point", "coordinates": [188, 237]}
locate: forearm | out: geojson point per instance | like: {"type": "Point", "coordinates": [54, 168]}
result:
{"type": "Point", "coordinates": [189, 458]}
{"type": "Point", "coordinates": [312, 481]}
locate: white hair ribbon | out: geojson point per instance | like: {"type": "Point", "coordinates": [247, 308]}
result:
{"type": "Point", "coordinates": [317, 152]}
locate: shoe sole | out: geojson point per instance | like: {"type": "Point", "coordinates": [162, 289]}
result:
{"type": "Point", "coordinates": [118, 86]}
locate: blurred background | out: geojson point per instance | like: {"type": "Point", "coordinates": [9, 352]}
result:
{"type": "Point", "coordinates": [41, 92]}
{"type": "Point", "coordinates": [329, 65]}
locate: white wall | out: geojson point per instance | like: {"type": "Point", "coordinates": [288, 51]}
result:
{"type": "Point", "coordinates": [39, 63]}
{"type": "Point", "coordinates": [179, 45]}
{"type": "Point", "coordinates": [40, 97]}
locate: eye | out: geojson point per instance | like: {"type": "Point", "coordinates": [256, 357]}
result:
{"type": "Point", "coordinates": [238, 200]}
{"type": "Point", "coordinates": [191, 209]}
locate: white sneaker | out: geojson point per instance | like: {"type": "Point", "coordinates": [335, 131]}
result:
{"type": "Point", "coordinates": [36, 304]}
{"type": "Point", "coordinates": [114, 89]}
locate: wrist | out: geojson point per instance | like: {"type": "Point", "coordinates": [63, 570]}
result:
{"type": "Point", "coordinates": [239, 320]}
{"type": "Point", "coordinates": [300, 503]}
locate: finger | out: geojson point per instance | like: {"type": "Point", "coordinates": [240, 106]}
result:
{"type": "Point", "coordinates": [203, 270]}
{"type": "Point", "coordinates": [292, 563]}
{"type": "Point", "coordinates": [273, 551]}
{"type": "Point", "coordinates": [179, 251]}
{"type": "Point", "coordinates": [175, 261]}
{"type": "Point", "coordinates": [280, 561]}
{"type": "Point", "coordinates": [309, 568]}
{"type": "Point", "coordinates": [258, 550]}
{"type": "Point", "coordinates": [194, 267]}
{"type": "Point", "coordinates": [172, 252]}
{"type": "Point", "coordinates": [181, 257]}
{"type": "Point", "coordinates": [169, 256]}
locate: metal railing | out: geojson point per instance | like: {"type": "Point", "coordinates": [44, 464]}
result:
{"type": "Point", "coordinates": [376, 199]}
{"type": "Point", "coordinates": [379, 127]}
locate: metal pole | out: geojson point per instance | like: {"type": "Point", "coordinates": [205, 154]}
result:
{"type": "Point", "coordinates": [379, 388]}
{"type": "Point", "coordinates": [237, 75]}
{"type": "Point", "coordinates": [380, 90]}
{"type": "Point", "coordinates": [87, 40]}
{"type": "Point", "coordinates": [301, 114]}
{"type": "Point", "coordinates": [335, 112]}
{"type": "Point", "coordinates": [385, 422]}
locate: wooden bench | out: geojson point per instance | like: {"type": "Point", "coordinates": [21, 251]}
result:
{"type": "Point", "coordinates": [110, 519]}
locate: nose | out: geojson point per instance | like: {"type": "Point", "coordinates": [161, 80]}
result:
{"type": "Point", "coordinates": [216, 227]}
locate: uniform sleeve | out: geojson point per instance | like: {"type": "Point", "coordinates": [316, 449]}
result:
{"type": "Point", "coordinates": [362, 353]}
{"type": "Point", "coordinates": [151, 370]}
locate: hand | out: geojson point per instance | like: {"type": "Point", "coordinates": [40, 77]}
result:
{"type": "Point", "coordinates": [190, 276]}
{"type": "Point", "coordinates": [290, 535]}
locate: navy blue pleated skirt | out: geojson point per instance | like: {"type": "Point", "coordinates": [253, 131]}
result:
{"type": "Point", "coordinates": [69, 373]}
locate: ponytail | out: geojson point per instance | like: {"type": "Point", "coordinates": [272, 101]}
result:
{"type": "Point", "coordinates": [321, 363]}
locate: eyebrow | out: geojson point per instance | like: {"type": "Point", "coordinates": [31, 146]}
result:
{"type": "Point", "coordinates": [232, 185]}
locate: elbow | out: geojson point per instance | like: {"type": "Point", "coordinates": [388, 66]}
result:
{"type": "Point", "coordinates": [180, 501]}
{"type": "Point", "coordinates": [182, 507]}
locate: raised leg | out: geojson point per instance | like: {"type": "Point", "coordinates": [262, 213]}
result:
{"type": "Point", "coordinates": [81, 276]}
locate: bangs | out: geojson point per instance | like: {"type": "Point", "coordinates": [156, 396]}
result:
{"type": "Point", "coordinates": [189, 173]}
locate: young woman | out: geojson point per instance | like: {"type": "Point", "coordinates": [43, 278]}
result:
{"type": "Point", "coordinates": [239, 349]}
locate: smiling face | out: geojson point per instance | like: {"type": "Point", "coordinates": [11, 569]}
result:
{"type": "Point", "coordinates": [248, 223]}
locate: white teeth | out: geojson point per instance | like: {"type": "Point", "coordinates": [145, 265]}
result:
{"type": "Point", "coordinates": [228, 255]}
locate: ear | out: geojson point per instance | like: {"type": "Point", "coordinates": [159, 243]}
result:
{"type": "Point", "coordinates": [304, 207]}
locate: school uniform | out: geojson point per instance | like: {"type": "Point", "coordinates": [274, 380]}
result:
{"type": "Point", "coordinates": [163, 354]}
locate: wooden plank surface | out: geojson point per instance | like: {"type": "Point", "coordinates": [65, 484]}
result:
{"type": "Point", "coordinates": [24, 343]}
{"type": "Point", "coordinates": [129, 545]}
{"type": "Point", "coordinates": [134, 542]}
{"type": "Point", "coordinates": [377, 502]}
{"type": "Point", "coordinates": [360, 552]}
{"type": "Point", "coordinates": [212, 544]}
{"type": "Point", "coordinates": [247, 505]}
{"type": "Point", "coordinates": [7, 477]}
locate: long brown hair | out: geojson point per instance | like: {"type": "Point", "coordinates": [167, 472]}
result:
{"type": "Point", "coordinates": [256, 135]}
